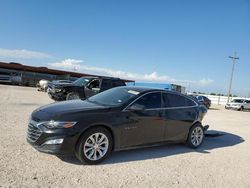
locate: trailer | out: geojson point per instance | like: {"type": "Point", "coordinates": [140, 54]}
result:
{"type": "Point", "coordinates": [166, 86]}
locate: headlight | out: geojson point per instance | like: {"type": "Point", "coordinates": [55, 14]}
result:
{"type": "Point", "coordinates": [58, 90]}
{"type": "Point", "coordinates": [57, 124]}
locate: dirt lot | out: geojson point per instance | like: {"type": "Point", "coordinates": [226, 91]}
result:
{"type": "Point", "coordinates": [222, 161]}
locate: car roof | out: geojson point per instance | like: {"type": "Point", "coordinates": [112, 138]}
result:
{"type": "Point", "coordinates": [102, 77]}
{"type": "Point", "coordinates": [148, 89]}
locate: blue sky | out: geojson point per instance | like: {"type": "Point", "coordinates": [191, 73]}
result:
{"type": "Point", "coordinates": [155, 41]}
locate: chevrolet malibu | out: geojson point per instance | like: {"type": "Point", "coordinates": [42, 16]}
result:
{"type": "Point", "coordinates": [117, 119]}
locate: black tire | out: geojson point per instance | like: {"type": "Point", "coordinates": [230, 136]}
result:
{"type": "Point", "coordinates": [85, 138]}
{"type": "Point", "coordinates": [241, 108]}
{"type": "Point", "coordinates": [72, 96]}
{"type": "Point", "coordinates": [191, 140]}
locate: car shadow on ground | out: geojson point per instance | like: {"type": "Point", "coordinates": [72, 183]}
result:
{"type": "Point", "coordinates": [213, 109]}
{"type": "Point", "coordinates": [213, 140]}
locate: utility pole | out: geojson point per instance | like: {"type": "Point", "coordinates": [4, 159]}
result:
{"type": "Point", "coordinates": [234, 58]}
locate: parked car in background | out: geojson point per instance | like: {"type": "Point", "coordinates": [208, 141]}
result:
{"type": "Point", "coordinates": [117, 119]}
{"type": "Point", "coordinates": [58, 82]}
{"type": "Point", "coordinates": [204, 100]}
{"type": "Point", "coordinates": [82, 88]}
{"type": "Point", "coordinates": [238, 104]}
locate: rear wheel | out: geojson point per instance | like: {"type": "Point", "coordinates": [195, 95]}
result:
{"type": "Point", "coordinates": [241, 108]}
{"type": "Point", "coordinates": [72, 96]}
{"type": "Point", "coordinates": [195, 136]}
{"type": "Point", "coordinates": [94, 146]}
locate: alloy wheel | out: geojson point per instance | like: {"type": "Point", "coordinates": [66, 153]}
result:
{"type": "Point", "coordinates": [197, 136]}
{"type": "Point", "coordinates": [73, 97]}
{"type": "Point", "coordinates": [96, 146]}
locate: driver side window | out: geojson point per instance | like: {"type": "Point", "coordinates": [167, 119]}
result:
{"type": "Point", "coordinates": [149, 101]}
{"type": "Point", "coordinates": [94, 84]}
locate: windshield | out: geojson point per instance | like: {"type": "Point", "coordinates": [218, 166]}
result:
{"type": "Point", "coordinates": [114, 97]}
{"type": "Point", "coordinates": [81, 81]}
{"type": "Point", "coordinates": [238, 100]}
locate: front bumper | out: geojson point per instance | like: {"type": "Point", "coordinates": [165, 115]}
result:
{"type": "Point", "coordinates": [57, 96]}
{"type": "Point", "coordinates": [232, 107]}
{"type": "Point", "coordinates": [55, 149]}
{"type": "Point", "coordinates": [37, 136]}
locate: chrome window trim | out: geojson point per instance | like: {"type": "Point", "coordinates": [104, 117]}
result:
{"type": "Point", "coordinates": [170, 108]}
{"type": "Point", "coordinates": [163, 108]}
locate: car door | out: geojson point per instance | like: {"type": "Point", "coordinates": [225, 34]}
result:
{"type": "Point", "coordinates": [247, 104]}
{"type": "Point", "coordinates": [180, 113]}
{"type": "Point", "coordinates": [92, 88]}
{"type": "Point", "coordinates": [144, 122]}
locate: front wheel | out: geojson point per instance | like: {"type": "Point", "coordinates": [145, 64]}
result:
{"type": "Point", "coordinates": [94, 146]}
{"type": "Point", "coordinates": [72, 96]}
{"type": "Point", "coordinates": [195, 136]}
{"type": "Point", "coordinates": [241, 108]}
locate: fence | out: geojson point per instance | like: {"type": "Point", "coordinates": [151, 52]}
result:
{"type": "Point", "coordinates": [222, 100]}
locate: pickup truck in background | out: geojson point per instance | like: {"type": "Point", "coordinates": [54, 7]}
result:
{"type": "Point", "coordinates": [82, 88]}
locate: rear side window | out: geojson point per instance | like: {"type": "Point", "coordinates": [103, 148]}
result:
{"type": "Point", "coordinates": [106, 84]}
{"type": "Point", "coordinates": [149, 101]}
{"type": "Point", "coordinates": [247, 101]}
{"type": "Point", "coordinates": [175, 100]}
{"type": "Point", "coordinates": [118, 83]}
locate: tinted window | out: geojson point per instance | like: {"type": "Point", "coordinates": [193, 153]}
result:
{"type": "Point", "coordinates": [247, 101]}
{"type": "Point", "coordinates": [238, 100]}
{"type": "Point", "coordinates": [81, 81]}
{"type": "Point", "coordinates": [5, 73]}
{"type": "Point", "coordinates": [106, 84]}
{"type": "Point", "coordinates": [94, 84]}
{"type": "Point", "coordinates": [175, 100]}
{"type": "Point", "coordinates": [151, 100]}
{"type": "Point", "coordinates": [118, 83]}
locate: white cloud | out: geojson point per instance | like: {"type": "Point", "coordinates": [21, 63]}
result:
{"type": "Point", "coordinates": [74, 64]}
{"type": "Point", "coordinates": [23, 54]}
{"type": "Point", "coordinates": [205, 81]}
{"type": "Point", "coordinates": [70, 64]}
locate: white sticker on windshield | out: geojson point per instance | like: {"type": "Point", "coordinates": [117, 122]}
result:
{"type": "Point", "coordinates": [133, 92]}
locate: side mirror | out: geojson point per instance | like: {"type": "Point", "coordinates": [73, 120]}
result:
{"type": "Point", "coordinates": [136, 107]}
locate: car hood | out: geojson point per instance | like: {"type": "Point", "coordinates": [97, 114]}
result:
{"type": "Point", "coordinates": [66, 107]}
{"type": "Point", "coordinates": [57, 85]}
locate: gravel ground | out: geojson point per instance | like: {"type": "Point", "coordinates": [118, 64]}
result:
{"type": "Point", "coordinates": [222, 161]}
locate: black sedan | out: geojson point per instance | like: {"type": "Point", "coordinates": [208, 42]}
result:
{"type": "Point", "coordinates": [117, 119]}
